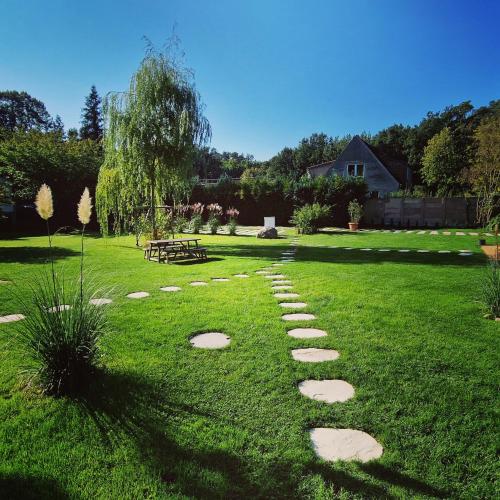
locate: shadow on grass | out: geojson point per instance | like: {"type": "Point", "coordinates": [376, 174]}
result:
{"type": "Point", "coordinates": [354, 256]}
{"type": "Point", "coordinates": [29, 487]}
{"type": "Point", "coordinates": [33, 255]}
{"type": "Point", "coordinates": [126, 407]}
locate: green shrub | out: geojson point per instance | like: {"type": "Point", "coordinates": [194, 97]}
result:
{"type": "Point", "coordinates": [196, 222]}
{"type": "Point", "coordinates": [494, 221]}
{"type": "Point", "coordinates": [355, 211]}
{"type": "Point", "coordinates": [307, 219]}
{"type": "Point", "coordinates": [215, 211]}
{"type": "Point", "coordinates": [491, 290]}
{"type": "Point", "coordinates": [232, 224]}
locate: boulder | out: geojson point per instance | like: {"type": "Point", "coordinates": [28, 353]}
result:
{"type": "Point", "coordinates": [268, 233]}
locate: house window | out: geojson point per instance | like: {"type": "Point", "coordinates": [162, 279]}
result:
{"type": "Point", "coordinates": [355, 169]}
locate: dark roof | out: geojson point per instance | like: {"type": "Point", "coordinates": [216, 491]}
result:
{"type": "Point", "coordinates": [320, 164]}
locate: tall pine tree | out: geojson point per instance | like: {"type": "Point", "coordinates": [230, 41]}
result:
{"type": "Point", "coordinates": [92, 117]}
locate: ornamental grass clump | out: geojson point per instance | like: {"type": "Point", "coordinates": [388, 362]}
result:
{"type": "Point", "coordinates": [62, 329]}
{"type": "Point", "coordinates": [232, 224]}
{"type": "Point", "coordinates": [491, 291]}
{"type": "Point", "coordinates": [214, 213]}
{"type": "Point", "coordinates": [181, 221]}
{"type": "Point", "coordinates": [196, 222]}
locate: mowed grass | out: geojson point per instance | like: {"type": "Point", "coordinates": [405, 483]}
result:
{"type": "Point", "coordinates": [164, 420]}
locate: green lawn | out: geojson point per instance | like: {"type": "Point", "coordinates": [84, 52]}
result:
{"type": "Point", "coordinates": [166, 420]}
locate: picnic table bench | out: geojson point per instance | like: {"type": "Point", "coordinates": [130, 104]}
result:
{"type": "Point", "coordinates": [176, 248]}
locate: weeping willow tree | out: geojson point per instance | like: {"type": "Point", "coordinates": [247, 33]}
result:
{"type": "Point", "coordinates": [151, 132]}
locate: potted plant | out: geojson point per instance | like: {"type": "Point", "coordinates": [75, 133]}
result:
{"type": "Point", "coordinates": [355, 211]}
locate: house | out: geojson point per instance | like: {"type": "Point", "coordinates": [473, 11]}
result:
{"type": "Point", "coordinates": [359, 159]}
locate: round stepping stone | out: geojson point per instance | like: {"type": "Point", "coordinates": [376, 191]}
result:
{"type": "Point", "coordinates": [275, 276]}
{"type": "Point", "coordinates": [281, 282]}
{"type": "Point", "coordinates": [314, 355]}
{"type": "Point", "coordinates": [241, 276]}
{"type": "Point", "coordinates": [170, 289]}
{"type": "Point", "coordinates": [292, 305]}
{"type": "Point", "coordinates": [305, 333]}
{"type": "Point", "coordinates": [59, 308]}
{"type": "Point", "coordinates": [444, 251]}
{"type": "Point", "coordinates": [384, 250]}
{"type": "Point", "coordinates": [366, 249]}
{"type": "Point", "coordinates": [298, 317]}
{"type": "Point", "coordinates": [286, 295]}
{"type": "Point", "coordinates": [423, 251]}
{"type": "Point", "coordinates": [344, 444]}
{"type": "Point", "coordinates": [328, 391]}
{"type": "Point", "coordinates": [262, 272]}
{"type": "Point", "coordinates": [211, 340]}
{"type": "Point", "coordinates": [282, 287]}
{"type": "Point", "coordinates": [11, 317]}
{"type": "Point", "coordinates": [138, 295]}
{"type": "Point", "coordinates": [100, 302]}
{"type": "Point", "coordinates": [403, 251]}
{"type": "Point", "coordinates": [198, 283]}
{"type": "Point", "coordinates": [220, 279]}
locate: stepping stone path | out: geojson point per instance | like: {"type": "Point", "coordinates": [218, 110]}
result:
{"type": "Point", "coordinates": [314, 355]}
{"type": "Point", "coordinates": [100, 302]}
{"type": "Point", "coordinates": [62, 307]}
{"type": "Point", "coordinates": [328, 391]}
{"type": "Point", "coordinates": [344, 444]}
{"type": "Point", "coordinates": [329, 444]}
{"type": "Point", "coordinates": [170, 289]}
{"type": "Point", "coordinates": [138, 295]}
{"type": "Point", "coordinates": [198, 283]}
{"type": "Point", "coordinates": [220, 280]}
{"type": "Point", "coordinates": [293, 305]}
{"type": "Point", "coordinates": [211, 340]}
{"type": "Point", "coordinates": [241, 276]}
{"type": "Point", "coordinates": [11, 317]}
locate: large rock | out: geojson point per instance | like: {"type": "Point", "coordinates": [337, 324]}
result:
{"type": "Point", "coordinates": [268, 233]}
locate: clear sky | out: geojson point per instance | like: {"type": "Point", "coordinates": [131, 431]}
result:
{"type": "Point", "coordinates": [270, 72]}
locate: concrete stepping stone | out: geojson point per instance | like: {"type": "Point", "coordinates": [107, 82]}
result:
{"type": "Point", "coordinates": [275, 276]}
{"type": "Point", "coordinates": [5, 282]}
{"type": "Point", "coordinates": [286, 295]}
{"type": "Point", "coordinates": [384, 250]}
{"type": "Point", "coordinates": [276, 264]}
{"type": "Point", "coordinates": [328, 391]}
{"type": "Point", "coordinates": [474, 234]}
{"type": "Point", "coordinates": [366, 249]}
{"type": "Point", "coordinates": [138, 295]}
{"type": "Point", "coordinates": [433, 233]}
{"type": "Point", "coordinates": [423, 251]}
{"type": "Point", "coordinates": [100, 302]}
{"type": "Point", "coordinates": [465, 254]}
{"type": "Point", "coordinates": [262, 272]}
{"type": "Point", "coordinates": [170, 288]}
{"type": "Point", "coordinates": [293, 305]}
{"type": "Point", "coordinates": [220, 280]}
{"type": "Point", "coordinates": [446, 233]}
{"type": "Point", "coordinates": [344, 444]}
{"type": "Point", "coordinates": [305, 333]}
{"type": "Point", "coordinates": [198, 283]}
{"type": "Point", "coordinates": [348, 248]}
{"type": "Point", "coordinates": [460, 233]}
{"type": "Point", "coordinates": [241, 276]}
{"type": "Point", "coordinates": [444, 251]}
{"type": "Point", "coordinates": [282, 287]}
{"type": "Point", "coordinates": [298, 317]}
{"type": "Point", "coordinates": [314, 355]}
{"type": "Point", "coordinates": [281, 282]}
{"type": "Point", "coordinates": [404, 250]}
{"type": "Point", "coordinates": [422, 232]}
{"type": "Point", "coordinates": [210, 340]}
{"type": "Point", "coordinates": [11, 317]}
{"type": "Point", "coordinates": [59, 308]}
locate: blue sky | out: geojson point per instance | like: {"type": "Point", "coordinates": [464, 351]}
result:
{"type": "Point", "coordinates": [270, 72]}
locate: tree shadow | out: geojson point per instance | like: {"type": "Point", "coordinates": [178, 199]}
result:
{"type": "Point", "coordinates": [29, 487]}
{"type": "Point", "coordinates": [34, 255]}
{"type": "Point", "coordinates": [391, 476]}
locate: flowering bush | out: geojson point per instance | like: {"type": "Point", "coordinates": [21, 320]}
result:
{"type": "Point", "coordinates": [181, 221]}
{"type": "Point", "coordinates": [196, 222]}
{"type": "Point", "coordinates": [214, 211]}
{"type": "Point", "coordinates": [232, 213]}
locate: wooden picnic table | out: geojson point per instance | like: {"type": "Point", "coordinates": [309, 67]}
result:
{"type": "Point", "coordinates": [174, 248]}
